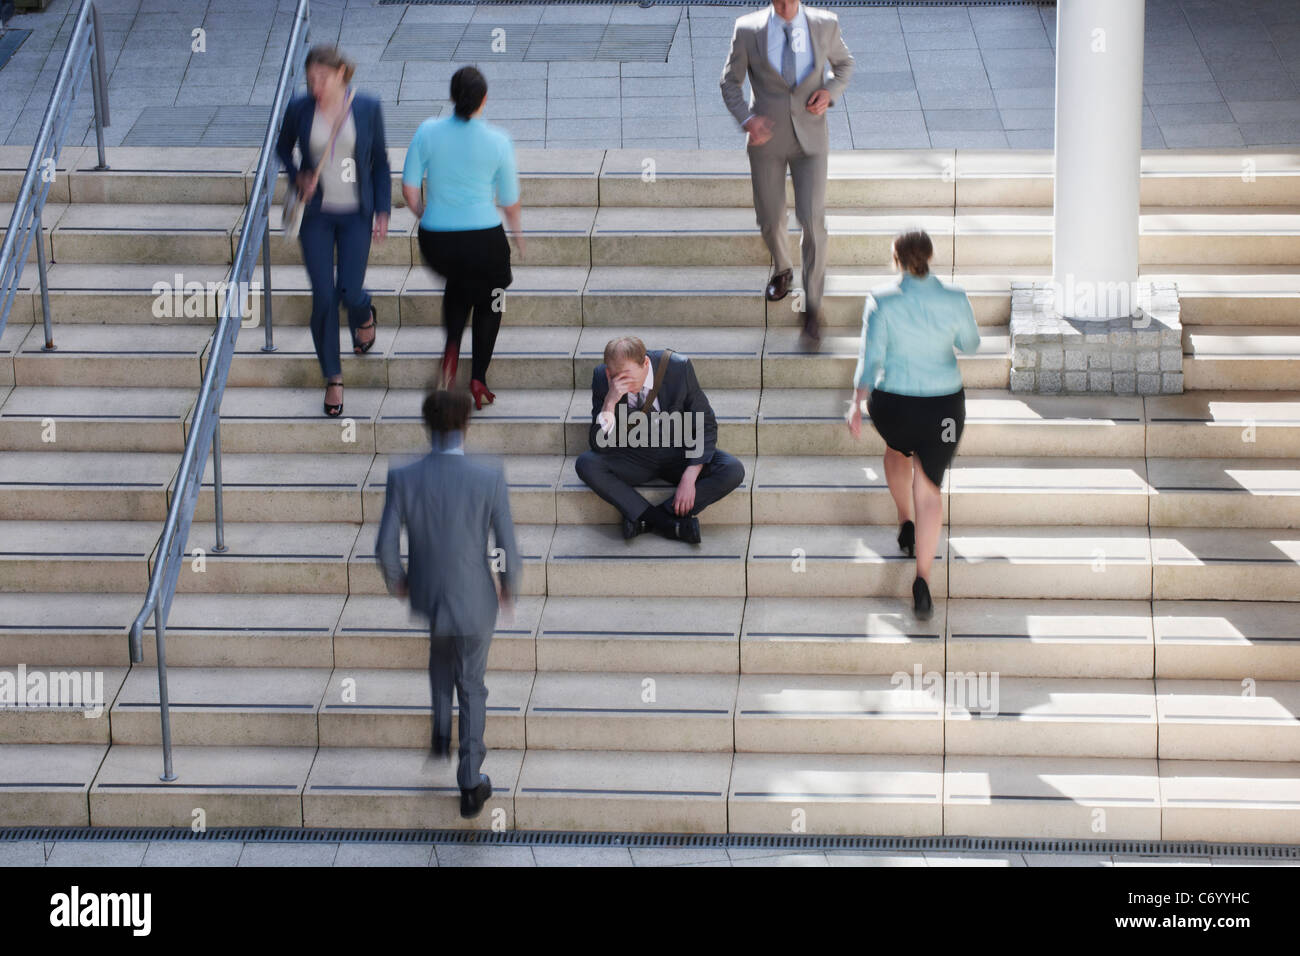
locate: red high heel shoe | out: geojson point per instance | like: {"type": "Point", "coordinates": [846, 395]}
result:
{"type": "Point", "coordinates": [450, 355]}
{"type": "Point", "coordinates": [480, 392]}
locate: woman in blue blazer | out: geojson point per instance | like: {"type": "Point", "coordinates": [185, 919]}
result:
{"type": "Point", "coordinates": [916, 401]}
{"type": "Point", "coordinates": [345, 182]}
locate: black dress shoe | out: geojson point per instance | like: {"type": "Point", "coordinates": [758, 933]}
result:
{"type": "Point", "coordinates": [778, 287]}
{"type": "Point", "coordinates": [921, 603]}
{"type": "Point", "coordinates": [907, 538]}
{"type": "Point", "coordinates": [632, 528]}
{"type": "Point", "coordinates": [471, 801]}
{"type": "Point", "coordinates": [676, 527]}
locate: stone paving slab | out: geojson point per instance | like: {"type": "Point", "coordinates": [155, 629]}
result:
{"type": "Point", "coordinates": [618, 76]}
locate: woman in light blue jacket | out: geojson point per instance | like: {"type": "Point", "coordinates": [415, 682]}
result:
{"type": "Point", "coordinates": [907, 372]}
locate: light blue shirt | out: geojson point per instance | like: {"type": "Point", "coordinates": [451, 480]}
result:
{"type": "Point", "coordinates": [470, 169]}
{"type": "Point", "coordinates": [909, 329]}
{"type": "Point", "coordinates": [800, 43]}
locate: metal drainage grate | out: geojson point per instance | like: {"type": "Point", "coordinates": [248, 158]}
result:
{"type": "Point", "coordinates": [530, 41]}
{"type": "Point", "coordinates": [780, 841]}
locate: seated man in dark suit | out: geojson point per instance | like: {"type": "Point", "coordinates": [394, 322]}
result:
{"type": "Point", "coordinates": [678, 444]}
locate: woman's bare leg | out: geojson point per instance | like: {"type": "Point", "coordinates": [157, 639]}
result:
{"type": "Point", "coordinates": [929, 519]}
{"type": "Point", "coordinates": [898, 472]}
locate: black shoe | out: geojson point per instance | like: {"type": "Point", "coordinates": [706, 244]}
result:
{"type": "Point", "coordinates": [471, 801]}
{"type": "Point", "coordinates": [632, 528]}
{"type": "Point", "coordinates": [921, 603]}
{"type": "Point", "coordinates": [778, 287]}
{"type": "Point", "coordinates": [676, 527]}
{"type": "Point", "coordinates": [442, 748]}
{"type": "Point", "coordinates": [907, 538]}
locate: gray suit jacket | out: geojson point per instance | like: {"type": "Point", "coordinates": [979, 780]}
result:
{"type": "Point", "coordinates": [448, 503]}
{"type": "Point", "coordinates": [770, 96]}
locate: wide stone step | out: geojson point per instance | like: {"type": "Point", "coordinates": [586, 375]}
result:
{"type": "Point", "coordinates": [1226, 564]}
{"type": "Point", "coordinates": [997, 715]}
{"type": "Point", "coordinates": [85, 485]}
{"type": "Point", "coordinates": [57, 704]}
{"type": "Point", "coordinates": [1208, 639]}
{"type": "Point", "coordinates": [226, 786]}
{"type": "Point", "coordinates": [1225, 493]}
{"type": "Point", "coordinates": [835, 561]}
{"type": "Point", "coordinates": [988, 490]}
{"type": "Point", "coordinates": [48, 784]}
{"type": "Point", "coordinates": [1224, 424]}
{"type": "Point", "coordinates": [1049, 637]}
{"type": "Point", "coordinates": [595, 560]}
{"type": "Point", "coordinates": [1082, 798]}
{"type": "Point", "coordinates": [632, 711]}
{"type": "Point", "coordinates": [623, 790]}
{"type": "Point", "coordinates": [159, 356]}
{"type": "Point", "coordinates": [838, 714]}
{"type": "Point", "coordinates": [71, 418]}
{"type": "Point", "coordinates": [391, 708]}
{"type": "Point", "coordinates": [79, 556]}
{"type": "Point", "coordinates": [1217, 720]}
{"type": "Point", "coordinates": [1226, 295]}
{"type": "Point", "coordinates": [1230, 800]}
{"type": "Point", "coordinates": [650, 634]}
{"type": "Point", "coordinates": [145, 233]}
{"type": "Point", "coordinates": [407, 788]}
{"type": "Point", "coordinates": [223, 706]}
{"type": "Point", "coordinates": [1111, 562]}
{"type": "Point", "coordinates": [1242, 357]}
{"type": "Point", "coordinates": [809, 421]}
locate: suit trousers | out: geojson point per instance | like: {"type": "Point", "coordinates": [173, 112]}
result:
{"type": "Point", "coordinates": [767, 166]}
{"type": "Point", "coordinates": [320, 234]}
{"type": "Point", "coordinates": [460, 661]}
{"type": "Point", "coordinates": [614, 473]}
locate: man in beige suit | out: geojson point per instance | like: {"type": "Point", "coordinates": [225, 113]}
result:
{"type": "Point", "coordinates": [785, 49]}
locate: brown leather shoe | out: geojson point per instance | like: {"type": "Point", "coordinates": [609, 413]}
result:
{"type": "Point", "coordinates": [810, 337]}
{"type": "Point", "coordinates": [778, 287]}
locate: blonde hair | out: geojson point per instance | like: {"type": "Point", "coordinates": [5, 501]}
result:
{"type": "Point", "coordinates": [331, 56]}
{"type": "Point", "coordinates": [627, 347]}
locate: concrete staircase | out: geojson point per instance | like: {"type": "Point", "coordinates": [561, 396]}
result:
{"type": "Point", "coordinates": [1123, 572]}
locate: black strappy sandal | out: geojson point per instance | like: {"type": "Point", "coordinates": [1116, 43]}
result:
{"type": "Point", "coordinates": [357, 347]}
{"type": "Point", "coordinates": [333, 411]}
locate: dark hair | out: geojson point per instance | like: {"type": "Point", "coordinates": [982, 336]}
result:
{"type": "Point", "coordinates": [468, 88]}
{"type": "Point", "coordinates": [330, 56]}
{"type": "Point", "coordinates": [446, 410]}
{"type": "Point", "coordinates": [914, 250]}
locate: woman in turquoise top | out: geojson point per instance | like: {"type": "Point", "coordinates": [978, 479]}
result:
{"type": "Point", "coordinates": [469, 169]}
{"type": "Point", "coordinates": [916, 401]}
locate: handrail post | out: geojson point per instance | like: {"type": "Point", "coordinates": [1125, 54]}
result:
{"type": "Point", "coordinates": [220, 546]}
{"type": "Point", "coordinates": [99, 86]}
{"type": "Point", "coordinates": [164, 706]}
{"type": "Point", "coordinates": [266, 278]}
{"type": "Point", "coordinates": [45, 289]}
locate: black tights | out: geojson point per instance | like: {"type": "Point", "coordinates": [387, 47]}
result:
{"type": "Point", "coordinates": [458, 300]}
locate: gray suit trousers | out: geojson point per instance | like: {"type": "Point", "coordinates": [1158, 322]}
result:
{"type": "Point", "coordinates": [461, 661]}
{"type": "Point", "coordinates": [767, 165]}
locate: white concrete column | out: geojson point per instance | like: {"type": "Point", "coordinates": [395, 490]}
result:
{"type": "Point", "coordinates": [1098, 155]}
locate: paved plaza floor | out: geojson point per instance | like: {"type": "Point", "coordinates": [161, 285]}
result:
{"type": "Point", "coordinates": [1219, 73]}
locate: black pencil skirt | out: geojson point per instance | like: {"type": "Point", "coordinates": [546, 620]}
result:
{"type": "Point", "coordinates": [926, 425]}
{"type": "Point", "coordinates": [476, 259]}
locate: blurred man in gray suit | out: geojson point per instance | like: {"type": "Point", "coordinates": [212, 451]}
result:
{"type": "Point", "coordinates": [448, 503]}
{"type": "Point", "coordinates": [785, 49]}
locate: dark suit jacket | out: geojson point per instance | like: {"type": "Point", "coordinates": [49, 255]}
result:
{"type": "Point", "coordinates": [448, 503]}
{"type": "Point", "coordinates": [680, 392]}
{"type": "Point", "coordinates": [374, 177]}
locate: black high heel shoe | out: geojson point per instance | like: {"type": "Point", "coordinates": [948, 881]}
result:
{"type": "Point", "coordinates": [922, 606]}
{"type": "Point", "coordinates": [357, 346]}
{"type": "Point", "coordinates": [907, 538]}
{"type": "Point", "coordinates": [333, 411]}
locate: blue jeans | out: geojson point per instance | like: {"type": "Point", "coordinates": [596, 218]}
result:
{"type": "Point", "coordinates": [320, 234]}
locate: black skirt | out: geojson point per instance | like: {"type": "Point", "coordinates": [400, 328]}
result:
{"type": "Point", "coordinates": [477, 259]}
{"type": "Point", "coordinates": [928, 425]}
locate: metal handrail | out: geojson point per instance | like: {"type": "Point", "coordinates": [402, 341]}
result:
{"type": "Point", "coordinates": [85, 53]}
{"type": "Point", "coordinates": [205, 422]}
